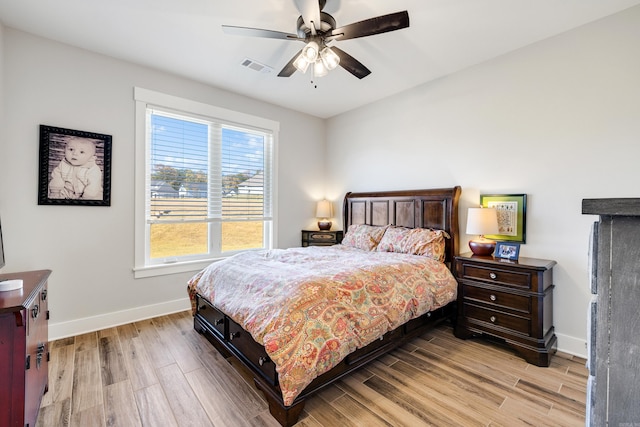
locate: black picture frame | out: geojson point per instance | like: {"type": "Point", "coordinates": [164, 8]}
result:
{"type": "Point", "coordinates": [82, 180]}
{"type": "Point", "coordinates": [512, 216]}
{"type": "Point", "coordinates": [507, 250]}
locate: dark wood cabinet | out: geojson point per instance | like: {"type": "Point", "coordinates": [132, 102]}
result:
{"type": "Point", "coordinates": [24, 348]}
{"type": "Point", "coordinates": [321, 238]}
{"type": "Point", "coordinates": [508, 300]}
{"type": "Point", "coordinates": [613, 388]}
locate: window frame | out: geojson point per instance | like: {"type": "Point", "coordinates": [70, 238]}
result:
{"type": "Point", "coordinates": [144, 98]}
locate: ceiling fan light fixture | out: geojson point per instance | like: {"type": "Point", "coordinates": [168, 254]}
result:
{"type": "Point", "coordinates": [319, 69]}
{"type": "Point", "coordinates": [310, 52]}
{"type": "Point", "coordinates": [329, 58]}
{"type": "Point", "coordinates": [301, 63]}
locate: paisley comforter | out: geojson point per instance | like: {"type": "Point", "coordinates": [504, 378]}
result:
{"type": "Point", "coordinates": [310, 307]}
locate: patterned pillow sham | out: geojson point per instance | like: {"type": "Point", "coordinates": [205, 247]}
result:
{"type": "Point", "coordinates": [414, 241]}
{"type": "Point", "coordinates": [363, 236]}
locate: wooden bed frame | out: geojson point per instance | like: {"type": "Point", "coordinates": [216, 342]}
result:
{"type": "Point", "coordinates": [435, 208]}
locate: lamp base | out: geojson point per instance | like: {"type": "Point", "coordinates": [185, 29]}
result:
{"type": "Point", "coordinates": [324, 225]}
{"type": "Point", "coordinates": [482, 247]}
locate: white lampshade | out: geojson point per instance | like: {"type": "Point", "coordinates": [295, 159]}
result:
{"type": "Point", "coordinates": [329, 58]}
{"type": "Point", "coordinates": [310, 52]}
{"type": "Point", "coordinates": [319, 70]}
{"type": "Point", "coordinates": [324, 209]}
{"type": "Point", "coordinates": [301, 63]}
{"type": "Point", "coordinates": [482, 221]}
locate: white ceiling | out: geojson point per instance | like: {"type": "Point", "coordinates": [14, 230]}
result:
{"type": "Point", "coordinates": [185, 37]}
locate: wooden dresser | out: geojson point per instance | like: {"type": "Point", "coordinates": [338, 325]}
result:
{"type": "Point", "coordinates": [24, 348]}
{"type": "Point", "coordinates": [509, 300]}
{"type": "Point", "coordinates": [321, 238]}
{"type": "Point", "coordinates": [613, 389]}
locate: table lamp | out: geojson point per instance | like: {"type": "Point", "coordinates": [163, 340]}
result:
{"type": "Point", "coordinates": [482, 221]}
{"type": "Point", "coordinates": [324, 212]}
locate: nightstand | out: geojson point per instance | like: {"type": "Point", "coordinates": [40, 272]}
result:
{"type": "Point", "coordinates": [508, 300]}
{"type": "Point", "coordinates": [321, 237]}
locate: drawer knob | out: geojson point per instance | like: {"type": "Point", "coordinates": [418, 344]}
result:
{"type": "Point", "coordinates": [233, 335]}
{"type": "Point", "coordinates": [219, 321]}
{"type": "Point", "coordinates": [35, 311]}
{"type": "Point", "coordinates": [494, 276]}
{"type": "Point", "coordinates": [262, 360]}
{"type": "Point", "coordinates": [44, 295]}
{"type": "Point", "coordinates": [493, 319]}
{"type": "Point", "coordinates": [492, 297]}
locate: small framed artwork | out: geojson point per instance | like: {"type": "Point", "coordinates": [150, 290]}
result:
{"type": "Point", "coordinates": [507, 250]}
{"type": "Point", "coordinates": [75, 167]}
{"type": "Point", "coordinates": [512, 215]}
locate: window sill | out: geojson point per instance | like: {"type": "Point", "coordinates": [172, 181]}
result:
{"type": "Point", "coordinates": [171, 268]}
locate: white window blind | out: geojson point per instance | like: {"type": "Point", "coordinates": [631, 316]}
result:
{"type": "Point", "coordinates": [193, 161]}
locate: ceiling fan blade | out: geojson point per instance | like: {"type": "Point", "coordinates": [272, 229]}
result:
{"type": "Point", "coordinates": [258, 32]}
{"type": "Point", "coordinates": [371, 26]}
{"type": "Point", "coordinates": [289, 69]}
{"type": "Point", "coordinates": [351, 64]}
{"type": "Point", "coordinates": [310, 12]}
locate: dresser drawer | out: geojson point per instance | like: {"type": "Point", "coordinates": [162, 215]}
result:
{"type": "Point", "coordinates": [497, 275]}
{"type": "Point", "coordinates": [253, 352]}
{"type": "Point", "coordinates": [496, 319]}
{"type": "Point", "coordinates": [212, 315]}
{"type": "Point", "coordinates": [495, 298]}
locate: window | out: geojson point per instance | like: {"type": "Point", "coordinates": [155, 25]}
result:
{"type": "Point", "coordinates": [207, 188]}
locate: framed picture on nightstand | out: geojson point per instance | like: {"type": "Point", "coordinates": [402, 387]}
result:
{"type": "Point", "coordinates": [512, 216]}
{"type": "Point", "coordinates": [507, 250]}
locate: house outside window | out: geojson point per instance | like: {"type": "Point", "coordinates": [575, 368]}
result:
{"type": "Point", "coordinates": [207, 187]}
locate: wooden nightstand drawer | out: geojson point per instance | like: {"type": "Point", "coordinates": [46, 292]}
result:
{"type": "Point", "coordinates": [321, 238]}
{"type": "Point", "coordinates": [496, 275]}
{"type": "Point", "coordinates": [495, 298]}
{"type": "Point", "coordinates": [493, 319]}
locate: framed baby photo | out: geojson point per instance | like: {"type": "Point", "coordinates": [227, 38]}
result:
{"type": "Point", "coordinates": [75, 167]}
{"type": "Point", "coordinates": [507, 250]}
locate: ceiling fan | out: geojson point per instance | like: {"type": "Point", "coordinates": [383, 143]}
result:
{"type": "Point", "coordinates": [317, 30]}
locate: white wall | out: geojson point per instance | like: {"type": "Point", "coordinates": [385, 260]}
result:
{"type": "Point", "coordinates": [559, 121]}
{"type": "Point", "coordinates": [90, 249]}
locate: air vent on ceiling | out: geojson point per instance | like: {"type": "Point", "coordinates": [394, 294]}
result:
{"type": "Point", "coordinates": [256, 66]}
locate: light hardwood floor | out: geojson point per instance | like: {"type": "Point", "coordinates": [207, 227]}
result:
{"type": "Point", "coordinates": [160, 372]}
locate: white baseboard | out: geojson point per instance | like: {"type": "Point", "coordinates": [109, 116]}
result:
{"type": "Point", "coordinates": [566, 343]}
{"type": "Point", "coordinates": [108, 320]}
{"type": "Point", "coordinates": [572, 345]}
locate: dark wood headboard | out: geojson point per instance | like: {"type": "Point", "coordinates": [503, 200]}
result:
{"type": "Point", "coordinates": [434, 208]}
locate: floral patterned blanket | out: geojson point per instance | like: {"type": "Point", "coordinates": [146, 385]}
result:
{"type": "Point", "coordinates": [310, 307]}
